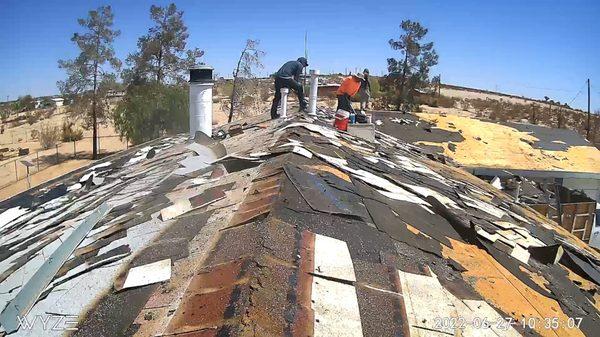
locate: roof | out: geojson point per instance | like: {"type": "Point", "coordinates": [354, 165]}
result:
{"type": "Point", "coordinates": [292, 228]}
{"type": "Point", "coordinates": [477, 143]}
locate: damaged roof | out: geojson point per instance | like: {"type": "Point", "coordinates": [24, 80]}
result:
{"type": "Point", "coordinates": [473, 142]}
{"type": "Point", "coordinates": [288, 228]}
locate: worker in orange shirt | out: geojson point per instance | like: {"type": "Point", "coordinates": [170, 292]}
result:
{"type": "Point", "coordinates": [349, 87]}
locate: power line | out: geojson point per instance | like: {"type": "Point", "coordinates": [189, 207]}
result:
{"type": "Point", "coordinates": [578, 93]}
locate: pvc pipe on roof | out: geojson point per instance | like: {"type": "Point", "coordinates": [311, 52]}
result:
{"type": "Point", "coordinates": [314, 83]}
{"type": "Point", "coordinates": [283, 103]}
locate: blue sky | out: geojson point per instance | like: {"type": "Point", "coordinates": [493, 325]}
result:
{"type": "Point", "coordinates": [531, 48]}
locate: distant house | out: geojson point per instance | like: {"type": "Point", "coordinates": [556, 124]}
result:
{"type": "Point", "coordinates": [58, 101]}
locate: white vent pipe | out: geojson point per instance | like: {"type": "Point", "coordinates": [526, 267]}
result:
{"type": "Point", "coordinates": [314, 87]}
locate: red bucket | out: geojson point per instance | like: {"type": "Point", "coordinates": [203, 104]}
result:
{"type": "Point", "coordinates": [341, 120]}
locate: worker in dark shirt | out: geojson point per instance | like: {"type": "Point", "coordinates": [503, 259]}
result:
{"type": "Point", "coordinates": [288, 76]}
{"type": "Point", "coordinates": [365, 91]}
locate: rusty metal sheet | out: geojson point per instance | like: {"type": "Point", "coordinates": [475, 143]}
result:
{"type": "Point", "coordinates": [304, 318]}
{"type": "Point", "coordinates": [258, 201]}
{"type": "Point", "coordinates": [209, 296]}
{"type": "Point", "coordinates": [209, 309]}
{"type": "Point", "coordinates": [242, 218]}
{"type": "Point", "coordinates": [209, 196]}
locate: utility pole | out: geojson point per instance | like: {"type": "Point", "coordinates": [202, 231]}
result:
{"type": "Point", "coordinates": [587, 133]}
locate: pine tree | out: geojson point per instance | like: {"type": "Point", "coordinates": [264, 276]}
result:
{"type": "Point", "coordinates": [162, 56]}
{"type": "Point", "coordinates": [89, 75]}
{"type": "Point", "coordinates": [412, 71]}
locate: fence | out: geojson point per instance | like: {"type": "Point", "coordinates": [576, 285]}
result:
{"type": "Point", "coordinates": [16, 137]}
{"type": "Point", "coordinates": [23, 167]}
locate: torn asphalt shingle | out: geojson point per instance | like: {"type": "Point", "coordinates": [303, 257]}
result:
{"type": "Point", "coordinates": [288, 194]}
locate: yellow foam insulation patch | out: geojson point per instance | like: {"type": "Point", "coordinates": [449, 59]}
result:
{"type": "Point", "coordinates": [505, 292]}
{"type": "Point", "coordinates": [494, 145]}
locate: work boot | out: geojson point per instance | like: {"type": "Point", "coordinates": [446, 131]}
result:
{"type": "Point", "coordinates": [303, 106]}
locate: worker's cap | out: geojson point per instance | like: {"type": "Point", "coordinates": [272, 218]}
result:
{"type": "Point", "coordinates": [366, 71]}
{"type": "Point", "coordinates": [303, 60]}
{"type": "Point", "coordinates": [358, 76]}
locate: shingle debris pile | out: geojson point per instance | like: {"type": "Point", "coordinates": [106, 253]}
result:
{"type": "Point", "coordinates": [291, 228]}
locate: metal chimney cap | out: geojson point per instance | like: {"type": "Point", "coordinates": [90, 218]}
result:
{"type": "Point", "coordinates": [202, 73]}
{"type": "Point", "coordinates": [202, 66]}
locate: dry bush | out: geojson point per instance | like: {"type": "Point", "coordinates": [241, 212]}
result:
{"type": "Point", "coordinates": [480, 104]}
{"type": "Point", "coordinates": [464, 104]}
{"type": "Point", "coordinates": [436, 101]}
{"type": "Point", "coordinates": [32, 117]}
{"type": "Point", "coordinates": [252, 99]}
{"type": "Point", "coordinates": [446, 102]}
{"type": "Point", "coordinates": [49, 135]}
{"type": "Point", "coordinates": [69, 134]}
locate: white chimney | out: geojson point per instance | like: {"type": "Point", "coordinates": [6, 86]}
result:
{"type": "Point", "coordinates": [201, 85]}
{"type": "Point", "coordinates": [314, 87]}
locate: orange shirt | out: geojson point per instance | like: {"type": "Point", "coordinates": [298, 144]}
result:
{"type": "Point", "coordinates": [350, 85]}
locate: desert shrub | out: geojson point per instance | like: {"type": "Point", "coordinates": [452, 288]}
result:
{"type": "Point", "coordinates": [31, 118]}
{"type": "Point", "coordinates": [433, 100]}
{"type": "Point", "coordinates": [69, 133]}
{"type": "Point", "coordinates": [515, 111]}
{"type": "Point", "coordinates": [480, 104]}
{"type": "Point", "coordinates": [464, 104]}
{"type": "Point", "coordinates": [375, 87]}
{"type": "Point", "coordinates": [250, 97]}
{"type": "Point", "coordinates": [49, 135]}
{"type": "Point", "coordinates": [446, 102]}
{"type": "Point", "coordinates": [426, 100]}
{"type": "Point", "coordinates": [4, 114]}
{"type": "Point", "coordinates": [224, 88]}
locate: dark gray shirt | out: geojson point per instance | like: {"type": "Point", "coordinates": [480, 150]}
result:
{"type": "Point", "coordinates": [291, 69]}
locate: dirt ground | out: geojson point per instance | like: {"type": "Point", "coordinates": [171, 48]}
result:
{"type": "Point", "coordinates": [42, 176]}
{"type": "Point", "coordinates": [462, 94]}
{"type": "Point", "coordinates": [69, 156]}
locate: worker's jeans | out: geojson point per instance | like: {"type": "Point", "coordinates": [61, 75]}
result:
{"type": "Point", "coordinates": [290, 84]}
{"type": "Point", "coordinates": [344, 103]}
{"type": "Point", "coordinates": [364, 100]}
